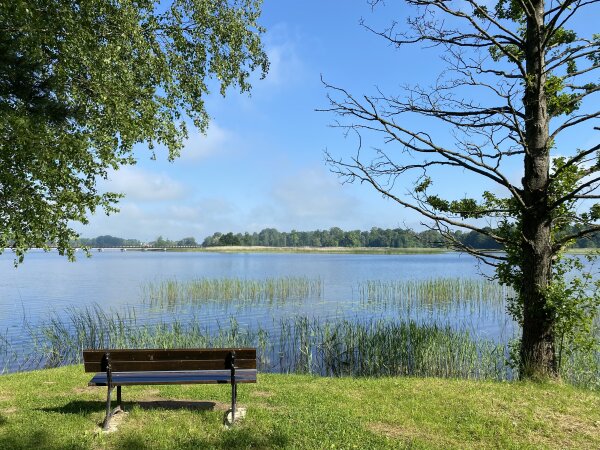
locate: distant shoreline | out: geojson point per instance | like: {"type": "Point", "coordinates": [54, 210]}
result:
{"type": "Point", "coordinates": [342, 250]}
{"type": "Point", "coordinates": [314, 250]}
{"type": "Point", "coordinates": [348, 250]}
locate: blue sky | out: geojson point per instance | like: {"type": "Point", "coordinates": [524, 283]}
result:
{"type": "Point", "coordinates": [261, 163]}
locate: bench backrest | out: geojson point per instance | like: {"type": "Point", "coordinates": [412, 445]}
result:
{"type": "Point", "coordinates": [159, 360]}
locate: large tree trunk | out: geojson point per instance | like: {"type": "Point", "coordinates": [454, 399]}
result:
{"type": "Point", "coordinates": [538, 359]}
{"type": "Point", "coordinates": [537, 345]}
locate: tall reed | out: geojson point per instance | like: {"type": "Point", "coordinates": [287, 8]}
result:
{"type": "Point", "coordinates": [300, 344]}
{"type": "Point", "coordinates": [61, 339]}
{"type": "Point", "coordinates": [435, 291]}
{"type": "Point", "coordinates": [439, 295]}
{"type": "Point", "coordinates": [171, 293]}
{"type": "Point", "coordinates": [387, 348]}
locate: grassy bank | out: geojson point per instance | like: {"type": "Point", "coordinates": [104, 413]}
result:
{"type": "Point", "coordinates": [54, 409]}
{"type": "Point", "coordinates": [583, 251]}
{"type": "Point", "coordinates": [350, 250]}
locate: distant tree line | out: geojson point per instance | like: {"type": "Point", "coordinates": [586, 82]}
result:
{"type": "Point", "coordinates": [376, 237]}
{"type": "Point", "coordinates": [333, 237]}
{"type": "Point", "coordinates": [336, 237]}
{"type": "Point", "coordinates": [112, 241]}
{"type": "Point", "coordinates": [108, 241]}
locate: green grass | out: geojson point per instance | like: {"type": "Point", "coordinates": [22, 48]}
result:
{"type": "Point", "coordinates": [583, 251]}
{"type": "Point", "coordinates": [54, 409]}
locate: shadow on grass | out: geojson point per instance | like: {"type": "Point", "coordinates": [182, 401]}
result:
{"type": "Point", "coordinates": [38, 439]}
{"type": "Point", "coordinates": [77, 407]}
{"type": "Point", "coordinates": [192, 405]}
{"type": "Point", "coordinates": [90, 406]}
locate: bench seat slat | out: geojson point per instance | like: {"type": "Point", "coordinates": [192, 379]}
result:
{"type": "Point", "coordinates": [172, 365]}
{"type": "Point", "coordinates": [175, 377]}
{"type": "Point", "coordinates": [168, 354]}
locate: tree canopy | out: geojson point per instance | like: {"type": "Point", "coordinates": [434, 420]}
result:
{"type": "Point", "coordinates": [517, 79]}
{"type": "Point", "coordinates": [82, 82]}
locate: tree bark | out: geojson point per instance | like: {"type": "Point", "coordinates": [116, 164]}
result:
{"type": "Point", "coordinates": [537, 345]}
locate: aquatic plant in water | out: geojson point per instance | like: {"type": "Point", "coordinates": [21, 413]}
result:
{"type": "Point", "coordinates": [437, 292]}
{"type": "Point", "coordinates": [334, 347]}
{"type": "Point", "coordinates": [172, 293]}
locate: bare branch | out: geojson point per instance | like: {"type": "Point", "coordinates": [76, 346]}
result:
{"type": "Point", "coordinates": [456, 244]}
{"type": "Point", "coordinates": [413, 140]}
{"type": "Point", "coordinates": [561, 7]}
{"type": "Point", "coordinates": [427, 31]}
{"type": "Point", "coordinates": [586, 197]}
{"type": "Point", "coordinates": [572, 54]}
{"type": "Point", "coordinates": [583, 233]}
{"type": "Point", "coordinates": [577, 159]}
{"type": "Point", "coordinates": [362, 173]}
{"type": "Point", "coordinates": [571, 195]}
{"type": "Point", "coordinates": [575, 120]}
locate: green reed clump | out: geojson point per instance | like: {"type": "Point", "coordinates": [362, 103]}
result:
{"type": "Point", "coordinates": [433, 292]}
{"type": "Point", "coordinates": [62, 339]}
{"type": "Point", "coordinates": [328, 347]}
{"type": "Point", "coordinates": [7, 356]}
{"type": "Point", "coordinates": [172, 293]}
{"type": "Point", "coordinates": [332, 347]}
{"type": "Point", "coordinates": [389, 348]}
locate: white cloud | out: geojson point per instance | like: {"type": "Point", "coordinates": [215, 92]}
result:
{"type": "Point", "coordinates": [142, 185]}
{"type": "Point", "coordinates": [305, 199]}
{"type": "Point", "coordinates": [175, 221]}
{"type": "Point", "coordinates": [308, 199]}
{"type": "Point", "coordinates": [285, 64]}
{"type": "Point", "coordinates": [199, 146]}
{"type": "Point", "coordinates": [312, 194]}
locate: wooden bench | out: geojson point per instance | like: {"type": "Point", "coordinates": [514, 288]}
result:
{"type": "Point", "coordinates": [117, 368]}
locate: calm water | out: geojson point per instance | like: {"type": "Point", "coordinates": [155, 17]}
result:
{"type": "Point", "coordinates": [47, 286]}
{"type": "Point", "coordinates": [47, 283]}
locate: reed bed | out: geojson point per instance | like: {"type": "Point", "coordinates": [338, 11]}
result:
{"type": "Point", "coordinates": [296, 345]}
{"type": "Point", "coordinates": [8, 357]}
{"type": "Point", "coordinates": [61, 340]}
{"type": "Point", "coordinates": [439, 343]}
{"type": "Point", "coordinates": [438, 292]}
{"type": "Point", "coordinates": [387, 348]}
{"type": "Point", "coordinates": [329, 347]}
{"type": "Point", "coordinates": [171, 293]}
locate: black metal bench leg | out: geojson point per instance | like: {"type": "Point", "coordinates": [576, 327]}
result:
{"type": "Point", "coordinates": [119, 400]}
{"type": "Point", "coordinates": [233, 401]}
{"type": "Point", "coordinates": [106, 422]}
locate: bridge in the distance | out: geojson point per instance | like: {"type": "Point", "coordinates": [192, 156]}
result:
{"type": "Point", "coordinates": [124, 248]}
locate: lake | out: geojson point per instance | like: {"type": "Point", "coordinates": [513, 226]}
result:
{"type": "Point", "coordinates": [330, 314]}
{"type": "Point", "coordinates": [48, 282]}
{"type": "Point", "coordinates": [47, 285]}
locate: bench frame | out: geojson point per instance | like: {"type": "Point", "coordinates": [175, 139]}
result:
{"type": "Point", "coordinates": [173, 366]}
